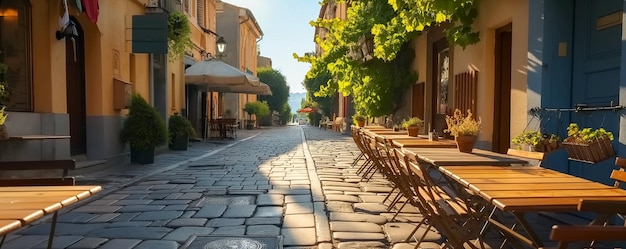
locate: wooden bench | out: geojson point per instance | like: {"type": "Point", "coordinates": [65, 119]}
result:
{"type": "Point", "coordinates": [63, 180]}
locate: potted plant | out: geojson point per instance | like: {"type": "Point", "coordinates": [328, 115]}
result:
{"type": "Point", "coordinates": [260, 109]}
{"type": "Point", "coordinates": [180, 130]}
{"type": "Point", "coordinates": [143, 130]}
{"type": "Point", "coordinates": [588, 145]}
{"type": "Point", "coordinates": [536, 141]}
{"type": "Point", "coordinates": [178, 35]}
{"type": "Point", "coordinates": [464, 128]}
{"type": "Point", "coordinates": [412, 125]}
{"type": "Point", "coordinates": [360, 119]}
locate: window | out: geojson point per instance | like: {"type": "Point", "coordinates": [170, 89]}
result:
{"type": "Point", "coordinates": [15, 52]}
{"type": "Point", "coordinates": [443, 66]}
{"type": "Point", "coordinates": [186, 6]}
{"type": "Point", "coordinates": [200, 15]}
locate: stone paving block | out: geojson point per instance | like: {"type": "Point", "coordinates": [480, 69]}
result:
{"type": "Point", "coordinates": [299, 220]}
{"type": "Point", "coordinates": [362, 244]}
{"type": "Point", "coordinates": [135, 197]}
{"type": "Point", "coordinates": [170, 202]}
{"type": "Point", "coordinates": [129, 224]}
{"type": "Point", "coordinates": [97, 209]}
{"type": "Point", "coordinates": [373, 198]}
{"type": "Point", "coordinates": [105, 218]}
{"type": "Point", "coordinates": [373, 208]}
{"type": "Point", "coordinates": [358, 227]}
{"type": "Point", "coordinates": [299, 208]}
{"type": "Point", "coordinates": [340, 188]}
{"type": "Point", "coordinates": [132, 202]}
{"type": "Point", "coordinates": [141, 208]}
{"type": "Point", "coordinates": [164, 186]}
{"type": "Point", "coordinates": [298, 236]}
{"type": "Point", "coordinates": [339, 183]}
{"type": "Point", "coordinates": [231, 230]}
{"type": "Point", "coordinates": [398, 232]}
{"type": "Point", "coordinates": [269, 212]}
{"type": "Point", "coordinates": [358, 217]}
{"type": "Point", "coordinates": [188, 222]}
{"type": "Point", "coordinates": [59, 242]}
{"type": "Point", "coordinates": [267, 230]}
{"type": "Point", "coordinates": [423, 245]}
{"type": "Point", "coordinates": [125, 217]}
{"type": "Point", "coordinates": [181, 234]}
{"type": "Point", "coordinates": [190, 196]}
{"type": "Point", "coordinates": [264, 221]}
{"type": "Point", "coordinates": [298, 198]}
{"type": "Point", "coordinates": [103, 202]}
{"type": "Point", "coordinates": [131, 232]}
{"type": "Point", "coordinates": [270, 200]}
{"type": "Point", "coordinates": [210, 211]}
{"type": "Point", "coordinates": [114, 197]}
{"type": "Point", "coordinates": [353, 236]}
{"type": "Point", "coordinates": [63, 229]}
{"type": "Point", "coordinates": [222, 222]}
{"type": "Point", "coordinates": [120, 244]}
{"type": "Point", "coordinates": [339, 206]}
{"type": "Point", "coordinates": [73, 217]}
{"type": "Point", "coordinates": [88, 243]}
{"type": "Point", "coordinates": [173, 196]}
{"type": "Point", "coordinates": [289, 191]}
{"type": "Point", "coordinates": [160, 244]}
{"type": "Point", "coordinates": [175, 207]}
{"type": "Point", "coordinates": [344, 198]}
{"type": "Point", "coordinates": [158, 215]}
{"type": "Point", "coordinates": [322, 226]}
{"type": "Point", "coordinates": [239, 211]}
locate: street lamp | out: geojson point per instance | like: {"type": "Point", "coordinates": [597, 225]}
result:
{"type": "Point", "coordinates": [221, 46]}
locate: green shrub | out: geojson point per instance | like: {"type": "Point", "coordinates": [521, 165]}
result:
{"type": "Point", "coordinates": [179, 125]}
{"type": "Point", "coordinates": [261, 109]}
{"type": "Point", "coordinates": [143, 128]}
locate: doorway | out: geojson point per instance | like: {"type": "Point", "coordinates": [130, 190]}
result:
{"type": "Point", "coordinates": [502, 89]}
{"type": "Point", "coordinates": [75, 90]}
{"type": "Point", "coordinates": [440, 78]}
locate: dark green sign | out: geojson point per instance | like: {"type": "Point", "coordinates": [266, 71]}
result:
{"type": "Point", "coordinates": [150, 33]}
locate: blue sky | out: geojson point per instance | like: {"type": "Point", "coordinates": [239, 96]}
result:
{"type": "Point", "coordinates": [286, 29]}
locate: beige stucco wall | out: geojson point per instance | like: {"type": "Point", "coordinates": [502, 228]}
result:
{"type": "Point", "coordinates": [480, 57]}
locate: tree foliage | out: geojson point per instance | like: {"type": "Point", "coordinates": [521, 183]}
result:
{"type": "Point", "coordinates": [280, 90]}
{"type": "Point", "coordinates": [378, 84]}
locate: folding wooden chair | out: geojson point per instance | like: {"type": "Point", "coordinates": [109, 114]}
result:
{"type": "Point", "coordinates": [450, 214]}
{"type": "Point", "coordinates": [567, 234]}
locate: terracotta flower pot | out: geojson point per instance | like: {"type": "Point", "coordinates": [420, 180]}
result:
{"type": "Point", "coordinates": [360, 123]}
{"type": "Point", "coordinates": [413, 130]}
{"type": "Point", "coordinates": [465, 143]}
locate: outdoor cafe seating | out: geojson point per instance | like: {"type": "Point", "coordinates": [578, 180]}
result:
{"type": "Point", "coordinates": [223, 128]}
{"type": "Point", "coordinates": [485, 199]}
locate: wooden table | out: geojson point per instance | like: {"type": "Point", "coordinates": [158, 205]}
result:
{"type": "Point", "coordinates": [520, 189]}
{"type": "Point", "coordinates": [20, 206]}
{"type": "Point", "coordinates": [424, 143]}
{"type": "Point", "coordinates": [452, 156]}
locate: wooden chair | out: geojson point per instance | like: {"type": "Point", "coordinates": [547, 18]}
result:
{"type": "Point", "coordinates": [619, 175]}
{"type": "Point", "coordinates": [567, 234]}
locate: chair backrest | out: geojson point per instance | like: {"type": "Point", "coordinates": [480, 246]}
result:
{"type": "Point", "coordinates": [566, 234]}
{"type": "Point", "coordinates": [63, 165]}
{"type": "Point", "coordinates": [619, 175]}
{"type": "Point", "coordinates": [527, 154]}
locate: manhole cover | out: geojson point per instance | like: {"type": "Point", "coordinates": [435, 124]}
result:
{"type": "Point", "coordinates": [238, 242]}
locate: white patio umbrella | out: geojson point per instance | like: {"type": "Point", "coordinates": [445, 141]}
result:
{"type": "Point", "coordinates": [214, 72]}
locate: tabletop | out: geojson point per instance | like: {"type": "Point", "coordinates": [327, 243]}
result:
{"type": "Point", "coordinates": [530, 189]}
{"type": "Point", "coordinates": [452, 156]}
{"type": "Point", "coordinates": [424, 143]}
{"type": "Point", "coordinates": [20, 206]}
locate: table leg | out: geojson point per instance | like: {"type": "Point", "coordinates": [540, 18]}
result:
{"type": "Point", "coordinates": [53, 227]}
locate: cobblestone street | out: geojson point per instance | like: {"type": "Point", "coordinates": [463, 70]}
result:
{"type": "Point", "coordinates": [293, 181]}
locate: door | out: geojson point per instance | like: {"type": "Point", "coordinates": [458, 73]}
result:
{"type": "Point", "coordinates": [502, 90]}
{"type": "Point", "coordinates": [417, 109]}
{"type": "Point", "coordinates": [596, 70]}
{"type": "Point", "coordinates": [75, 91]}
{"type": "Point", "coordinates": [441, 87]}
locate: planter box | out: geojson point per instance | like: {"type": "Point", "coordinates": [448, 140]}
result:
{"type": "Point", "coordinates": [590, 153]}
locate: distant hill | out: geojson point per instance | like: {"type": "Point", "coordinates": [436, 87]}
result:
{"type": "Point", "coordinates": [295, 99]}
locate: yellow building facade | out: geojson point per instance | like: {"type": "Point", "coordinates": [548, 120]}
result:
{"type": "Point", "coordinates": [72, 86]}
